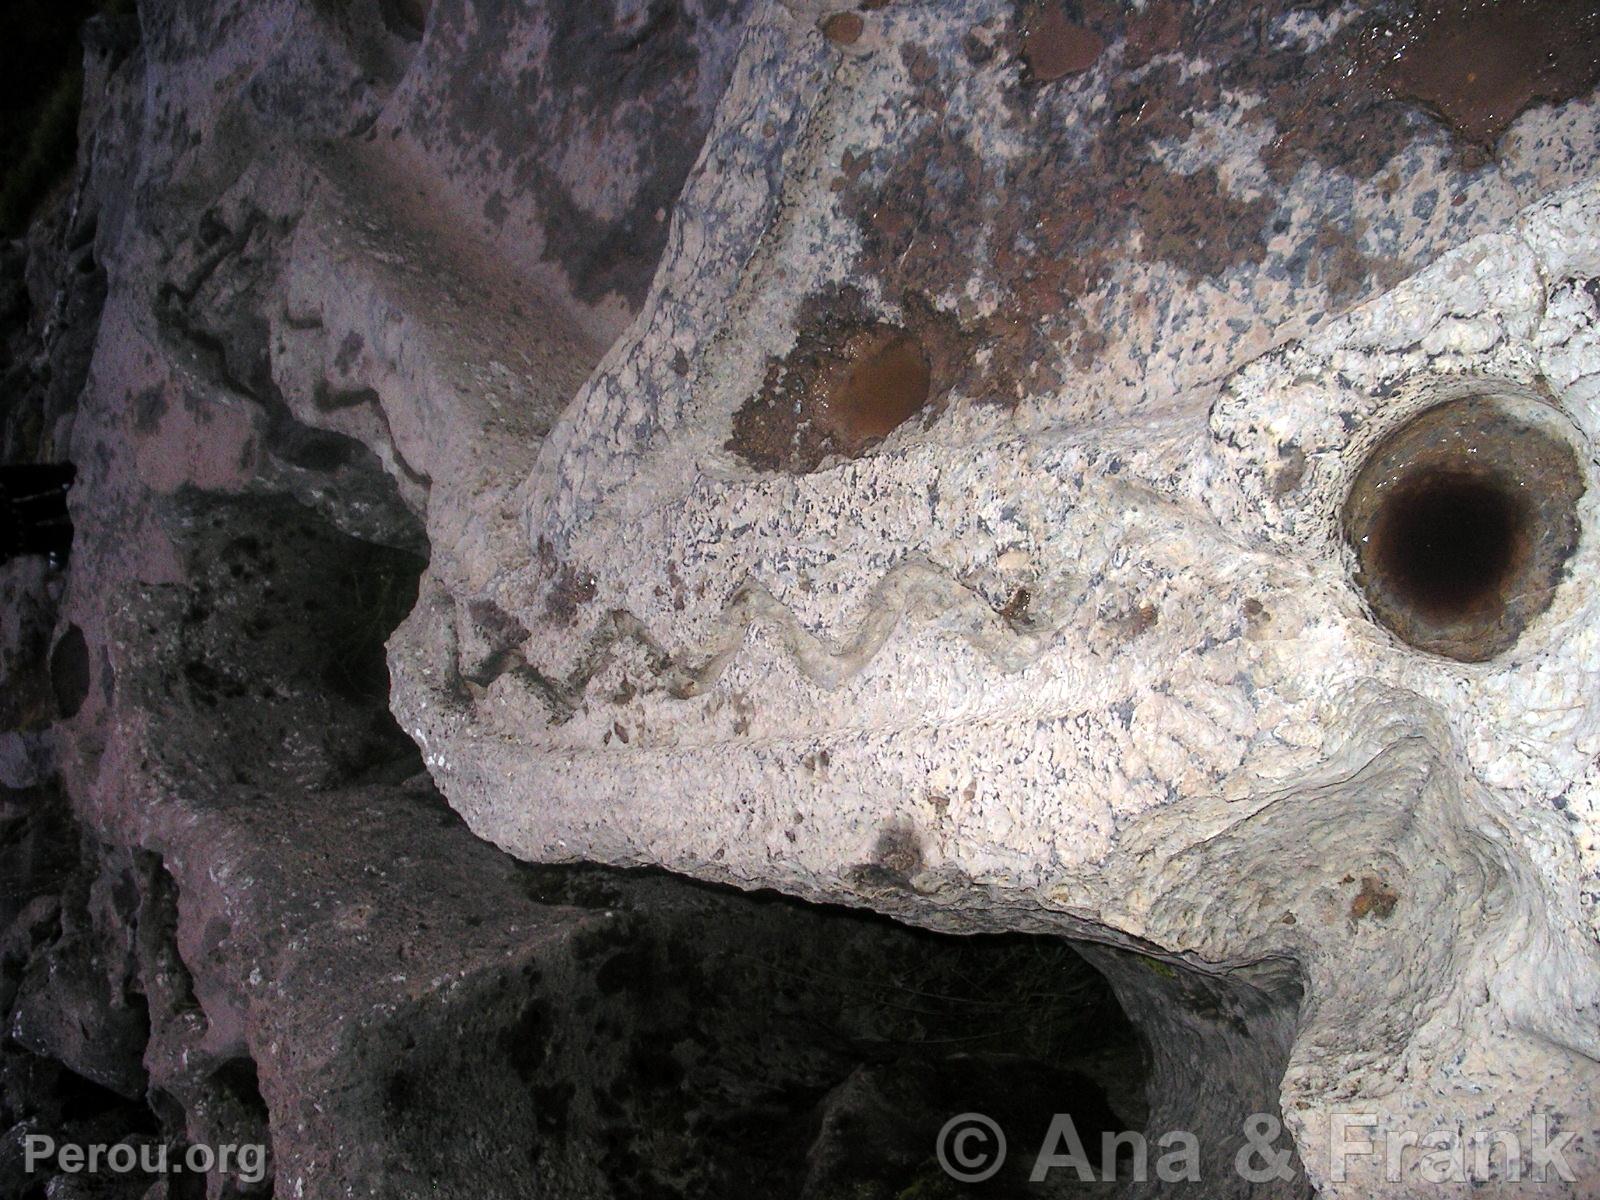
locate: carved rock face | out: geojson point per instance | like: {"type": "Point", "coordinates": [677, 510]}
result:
{"type": "Point", "coordinates": [1116, 473]}
{"type": "Point", "coordinates": [1126, 475]}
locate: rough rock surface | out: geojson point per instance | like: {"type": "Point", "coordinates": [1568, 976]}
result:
{"type": "Point", "coordinates": [235, 910]}
{"type": "Point", "coordinates": [895, 457]}
{"type": "Point", "coordinates": [1076, 646]}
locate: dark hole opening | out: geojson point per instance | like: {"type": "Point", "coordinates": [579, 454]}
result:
{"type": "Point", "coordinates": [69, 672]}
{"type": "Point", "coordinates": [1463, 520]}
{"type": "Point", "coordinates": [1448, 542]}
{"type": "Point", "coordinates": [405, 18]}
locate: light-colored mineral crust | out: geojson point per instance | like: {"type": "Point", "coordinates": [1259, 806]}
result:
{"type": "Point", "coordinates": [1078, 648]}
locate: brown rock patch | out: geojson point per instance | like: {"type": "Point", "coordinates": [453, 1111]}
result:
{"type": "Point", "coordinates": [833, 399]}
{"type": "Point", "coordinates": [843, 29]}
{"type": "Point", "coordinates": [849, 382]}
{"type": "Point", "coordinates": [1156, 30]}
{"type": "Point", "coordinates": [1193, 222]}
{"type": "Point", "coordinates": [1054, 46]}
{"type": "Point", "coordinates": [566, 589]}
{"type": "Point", "coordinates": [1374, 899]}
{"type": "Point", "coordinates": [1479, 66]}
{"type": "Point", "coordinates": [1044, 234]}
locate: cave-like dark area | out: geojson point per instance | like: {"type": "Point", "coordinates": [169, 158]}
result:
{"type": "Point", "coordinates": [41, 79]}
{"type": "Point", "coordinates": [1448, 542]}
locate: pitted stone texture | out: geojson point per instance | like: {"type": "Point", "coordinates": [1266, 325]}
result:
{"type": "Point", "coordinates": [1081, 650]}
{"type": "Point", "coordinates": [1073, 650]}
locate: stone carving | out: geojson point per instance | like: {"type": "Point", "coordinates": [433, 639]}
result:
{"type": "Point", "coordinates": [978, 462]}
{"type": "Point", "coordinates": [1075, 626]}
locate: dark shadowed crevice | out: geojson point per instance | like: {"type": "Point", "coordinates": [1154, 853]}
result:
{"type": "Point", "coordinates": [1218, 1045]}
{"type": "Point", "coordinates": [369, 597]}
{"type": "Point", "coordinates": [236, 1114]}
{"type": "Point", "coordinates": [718, 1043]}
{"type": "Point", "coordinates": [168, 984]}
{"type": "Point", "coordinates": [69, 672]}
{"type": "Point", "coordinates": [405, 18]}
{"type": "Point", "coordinates": [38, 846]}
{"type": "Point", "coordinates": [280, 640]}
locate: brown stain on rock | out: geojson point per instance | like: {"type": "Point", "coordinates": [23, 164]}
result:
{"type": "Point", "coordinates": [1045, 232]}
{"type": "Point", "coordinates": [1194, 222]}
{"type": "Point", "coordinates": [919, 62]}
{"type": "Point", "coordinates": [897, 857]}
{"type": "Point", "coordinates": [500, 629]}
{"type": "Point", "coordinates": [1291, 471]}
{"type": "Point", "coordinates": [1337, 261]}
{"type": "Point", "coordinates": [1015, 610]}
{"type": "Point", "coordinates": [1130, 622]}
{"type": "Point", "coordinates": [843, 29]}
{"type": "Point", "coordinates": [898, 849]}
{"type": "Point", "coordinates": [1475, 66]}
{"type": "Point", "coordinates": [566, 590]}
{"type": "Point", "coordinates": [849, 383]}
{"type": "Point", "coordinates": [887, 384]}
{"type": "Point", "coordinates": [1479, 66]}
{"type": "Point", "coordinates": [1374, 899]}
{"type": "Point", "coordinates": [1054, 46]}
{"type": "Point", "coordinates": [1157, 29]}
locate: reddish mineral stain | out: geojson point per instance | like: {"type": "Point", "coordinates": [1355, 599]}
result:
{"type": "Point", "coordinates": [833, 396]}
{"type": "Point", "coordinates": [1481, 65]}
{"type": "Point", "coordinates": [843, 29]}
{"type": "Point", "coordinates": [1158, 29]}
{"type": "Point", "coordinates": [1054, 47]}
{"type": "Point", "coordinates": [1375, 900]}
{"type": "Point", "coordinates": [886, 384]}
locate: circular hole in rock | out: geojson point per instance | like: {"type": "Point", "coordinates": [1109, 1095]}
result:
{"type": "Point", "coordinates": [1448, 541]}
{"type": "Point", "coordinates": [69, 672]}
{"type": "Point", "coordinates": [1462, 521]}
